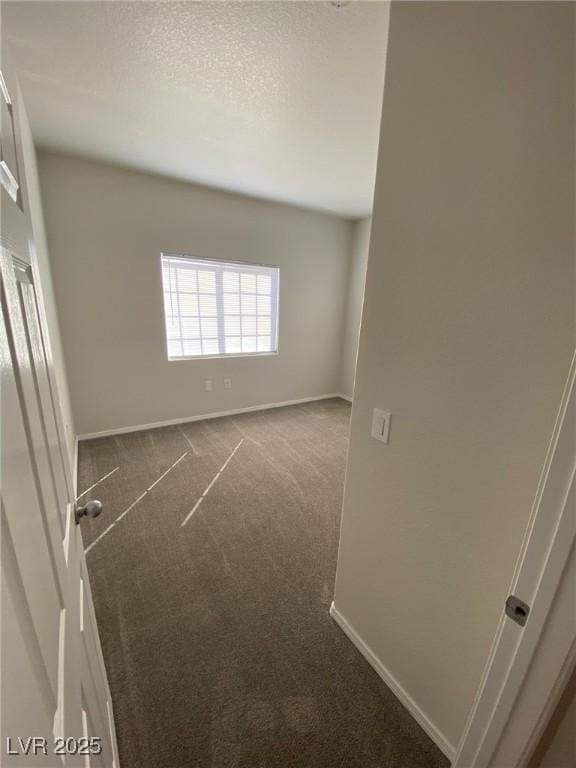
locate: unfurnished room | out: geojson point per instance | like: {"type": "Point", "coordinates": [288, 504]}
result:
{"type": "Point", "coordinates": [287, 405]}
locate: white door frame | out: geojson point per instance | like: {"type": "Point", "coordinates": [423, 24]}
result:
{"type": "Point", "coordinates": [509, 714]}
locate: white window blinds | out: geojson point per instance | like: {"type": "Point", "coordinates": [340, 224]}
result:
{"type": "Point", "coordinates": [219, 308]}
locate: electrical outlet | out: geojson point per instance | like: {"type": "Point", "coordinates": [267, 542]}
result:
{"type": "Point", "coordinates": [381, 425]}
{"type": "Point", "coordinates": [208, 385]}
{"type": "Point", "coordinates": [227, 383]}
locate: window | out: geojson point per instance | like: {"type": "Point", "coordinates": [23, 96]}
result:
{"type": "Point", "coordinates": [219, 308]}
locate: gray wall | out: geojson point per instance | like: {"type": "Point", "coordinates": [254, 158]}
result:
{"type": "Point", "coordinates": [106, 229]}
{"type": "Point", "coordinates": [355, 298]}
{"type": "Point", "coordinates": [466, 337]}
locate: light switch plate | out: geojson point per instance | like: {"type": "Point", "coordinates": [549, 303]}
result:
{"type": "Point", "coordinates": [208, 385]}
{"type": "Point", "coordinates": [381, 425]}
{"type": "Point", "coordinates": [227, 383]}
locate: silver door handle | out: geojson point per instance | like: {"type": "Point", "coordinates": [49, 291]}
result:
{"type": "Point", "coordinates": [90, 509]}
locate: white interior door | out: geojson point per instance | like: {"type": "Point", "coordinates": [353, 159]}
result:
{"type": "Point", "coordinates": [531, 660]}
{"type": "Point", "coordinates": [54, 684]}
{"type": "Point", "coordinates": [54, 692]}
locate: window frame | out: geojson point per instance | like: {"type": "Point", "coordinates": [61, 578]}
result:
{"type": "Point", "coordinates": [240, 265]}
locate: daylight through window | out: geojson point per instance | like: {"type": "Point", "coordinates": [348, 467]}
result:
{"type": "Point", "coordinates": [219, 308]}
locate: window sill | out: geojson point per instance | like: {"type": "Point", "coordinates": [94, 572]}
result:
{"type": "Point", "coordinates": [222, 357]}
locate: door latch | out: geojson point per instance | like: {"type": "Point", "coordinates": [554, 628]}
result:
{"type": "Point", "coordinates": [517, 610]}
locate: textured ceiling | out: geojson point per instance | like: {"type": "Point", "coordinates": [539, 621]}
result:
{"type": "Point", "coordinates": [275, 99]}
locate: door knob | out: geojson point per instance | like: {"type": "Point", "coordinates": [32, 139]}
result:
{"type": "Point", "coordinates": [90, 509]}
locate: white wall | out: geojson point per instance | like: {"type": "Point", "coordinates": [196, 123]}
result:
{"type": "Point", "coordinates": [354, 301]}
{"type": "Point", "coordinates": [33, 224]}
{"type": "Point", "coordinates": [466, 337]}
{"type": "Point", "coordinates": [106, 229]}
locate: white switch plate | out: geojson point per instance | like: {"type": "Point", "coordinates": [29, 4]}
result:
{"type": "Point", "coordinates": [208, 385]}
{"type": "Point", "coordinates": [381, 425]}
{"type": "Point", "coordinates": [227, 383]}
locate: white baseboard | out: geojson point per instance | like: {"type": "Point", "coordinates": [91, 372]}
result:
{"type": "Point", "coordinates": [204, 416]}
{"type": "Point", "coordinates": [401, 694]}
{"type": "Point", "coordinates": [344, 397]}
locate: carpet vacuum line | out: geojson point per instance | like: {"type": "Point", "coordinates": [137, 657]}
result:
{"type": "Point", "coordinates": [216, 476]}
{"type": "Point", "coordinates": [97, 483]}
{"type": "Point", "coordinates": [123, 514]}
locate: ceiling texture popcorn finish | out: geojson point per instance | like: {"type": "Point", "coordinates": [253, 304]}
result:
{"type": "Point", "coordinates": [279, 100]}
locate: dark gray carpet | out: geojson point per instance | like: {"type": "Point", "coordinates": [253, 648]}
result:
{"type": "Point", "coordinates": [216, 635]}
